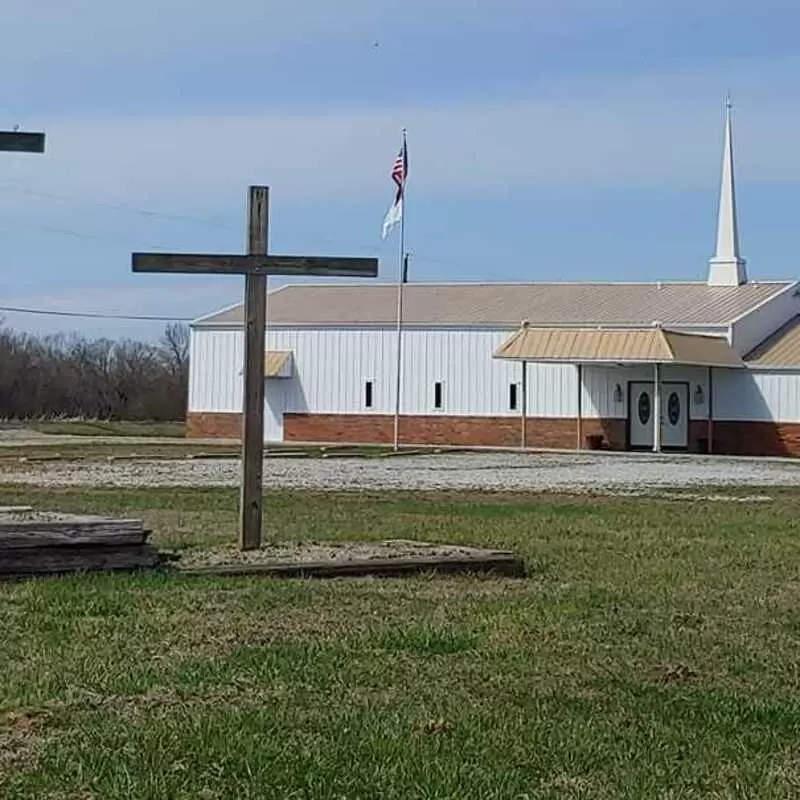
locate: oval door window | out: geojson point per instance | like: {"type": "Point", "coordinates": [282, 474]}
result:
{"type": "Point", "coordinates": [674, 408]}
{"type": "Point", "coordinates": [644, 408]}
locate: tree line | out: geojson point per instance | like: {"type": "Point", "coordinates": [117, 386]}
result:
{"type": "Point", "coordinates": [76, 377]}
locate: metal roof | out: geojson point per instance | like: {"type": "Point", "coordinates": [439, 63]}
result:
{"type": "Point", "coordinates": [782, 349]}
{"type": "Point", "coordinates": [644, 346]}
{"type": "Point", "coordinates": [701, 351]}
{"type": "Point", "coordinates": [508, 305]}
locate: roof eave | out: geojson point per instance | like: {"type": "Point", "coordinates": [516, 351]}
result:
{"type": "Point", "coordinates": [622, 362]}
{"type": "Point", "coordinates": [789, 285]}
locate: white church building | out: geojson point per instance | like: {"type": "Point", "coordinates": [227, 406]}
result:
{"type": "Point", "coordinates": [711, 366]}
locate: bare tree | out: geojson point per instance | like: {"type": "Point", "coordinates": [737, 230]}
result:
{"type": "Point", "coordinates": [175, 350]}
{"type": "Point", "coordinates": [99, 379]}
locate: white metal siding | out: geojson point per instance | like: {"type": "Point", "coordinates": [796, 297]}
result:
{"type": "Point", "coordinates": [756, 395]}
{"type": "Point", "coordinates": [552, 390]}
{"type": "Point", "coordinates": [332, 366]}
{"type": "Point", "coordinates": [215, 370]}
{"type": "Point", "coordinates": [599, 385]}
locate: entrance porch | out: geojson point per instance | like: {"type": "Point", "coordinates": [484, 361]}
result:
{"type": "Point", "coordinates": [637, 389]}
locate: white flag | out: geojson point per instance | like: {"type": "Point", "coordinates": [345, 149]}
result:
{"type": "Point", "coordinates": [399, 175]}
{"type": "Point", "coordinates": [393, 216]}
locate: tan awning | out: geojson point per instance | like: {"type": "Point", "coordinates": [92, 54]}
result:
{"type": "Point", "coordinates": [781, 350]}
{"type": "Point", "coordinates": [278, 364]}
{"type": "Point", "coordinates": [637, 346]}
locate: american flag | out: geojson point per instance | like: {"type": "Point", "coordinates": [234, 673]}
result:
{"type": "Point", "coordinates": [400, 171]}
{"type": "Point", "coordinates": [399, 176]}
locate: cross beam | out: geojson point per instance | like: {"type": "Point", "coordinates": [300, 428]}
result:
{"type": "Point", "coordinates": [21, 142]}
{"type": "Point", "coordinates": [255, 266]}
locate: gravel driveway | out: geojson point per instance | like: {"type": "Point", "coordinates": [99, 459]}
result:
{"type": "Point", "coordinates": [487, 471]}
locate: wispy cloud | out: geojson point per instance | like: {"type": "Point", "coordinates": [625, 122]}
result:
{"type": "Point", "coordinates": [660, 129]}
{"type": "Point", "coordinates": [175, 106]}
{"type": "Point", "coordinates": [95, 54]}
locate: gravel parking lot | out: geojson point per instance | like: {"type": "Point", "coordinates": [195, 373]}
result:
{"type": "Point", "coordinates": [476, 471]}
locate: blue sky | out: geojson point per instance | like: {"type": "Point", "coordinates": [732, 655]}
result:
{"type": "Point", "coordinates": [548, 140]}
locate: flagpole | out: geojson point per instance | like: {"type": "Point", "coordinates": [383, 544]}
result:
{"type": "Point", "coordinates": [400, 281]}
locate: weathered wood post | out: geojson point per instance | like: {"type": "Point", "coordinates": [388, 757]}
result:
{"type": "Point", "coordinates": [255, 266]}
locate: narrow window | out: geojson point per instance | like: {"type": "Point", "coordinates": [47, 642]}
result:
{"type": "Point", "coordinates": [512, 397]}
{"type": "Point", "coordinates": [437, 395]}
{"type": "Point", "coordinates": [368, 394]}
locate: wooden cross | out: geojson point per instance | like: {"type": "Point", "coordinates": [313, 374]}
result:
{"type": "Point", "coordinates": [255, 266]}
{"type": "Point", "coordinates": [21, 142]}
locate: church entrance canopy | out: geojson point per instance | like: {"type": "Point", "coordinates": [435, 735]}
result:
{"type": "Point", "coordinates": [618, 346]}
{"type": "Point", "coordinates": [621, 347]}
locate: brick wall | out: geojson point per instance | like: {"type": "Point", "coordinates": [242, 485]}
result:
{"type": "Point", "coordinates": [379, 429]}
{"type": "Point", "coordinates": [613, 431]}
{"type": "Point", "coordinates": [212, 425]}
{"type": "Point", "coordinates": [549, 432]}
{"type": "Point", "coordinates": [730, 438]}
{"type": "Point", "coordinates": [757, 438]}
{"type": "Point", "coordinates": [698, 436]}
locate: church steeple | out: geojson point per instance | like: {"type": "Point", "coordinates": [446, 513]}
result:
{"type": "Point", "coordinates": [727, 267]}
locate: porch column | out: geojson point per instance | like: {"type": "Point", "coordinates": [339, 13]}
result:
{"type": "Point", "coordinates": [523, 434]}
{"type": "Point", "coordinates": [711, 410]}
{"type": "Point", "coordinates": [580, 407]}
{"type": "Point", "coordinates": [657, 410]}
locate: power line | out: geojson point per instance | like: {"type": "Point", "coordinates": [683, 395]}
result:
{"type": "Point", "coordinates": [369, 249]}
{"type": "Point", "coordinates": [91, 315]}
{"type": "Point", "coordinates": [114, 207]}
{"type": "Point", "coordinates": [75, 234]}
{"type": "Point", "coordinates": [215, 222]}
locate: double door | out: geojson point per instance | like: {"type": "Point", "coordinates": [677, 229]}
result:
{"type": "Point", "coordinates": [674, 415]}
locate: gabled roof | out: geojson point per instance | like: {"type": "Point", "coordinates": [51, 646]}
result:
{"type": "Point", "coordinates": [509, 304]}
{"type": "Point", "coordinates": [782, 349]}
{"type": "Point", "coordinates": [603, 346]}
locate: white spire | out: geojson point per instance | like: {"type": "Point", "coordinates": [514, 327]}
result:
{"type": "Point", "coordinates": [727, 267]}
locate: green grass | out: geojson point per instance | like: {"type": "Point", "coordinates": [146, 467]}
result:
{"type": "Point", "coordinates": [74, 450]}
{"type": "Point", "coordinates": [651, 653]}
{"type": "Point", "coordinates": [109, 428]}
{"type": "Point", "coordinates": [124, 447]}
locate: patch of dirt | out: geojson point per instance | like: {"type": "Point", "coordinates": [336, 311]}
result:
{"type": "Point", "coordinates": [565, 785]}
{"type": "Point", "coordinates": [437, 726]}
{"type": "Point", "coordinates": [21, 734]}
{"type": "Point", "coordinates": [689, 496]}
{"type": "Point", "coordinates": [241, 694]}
{"type": "Point", "coordinates": [22, 722]}
{"type": "Point", "coordinates": [308, 552]}
{"type": "Point", "coordinates": [787, 770]}
{"type": "Point", "coordinates": [676, 673]}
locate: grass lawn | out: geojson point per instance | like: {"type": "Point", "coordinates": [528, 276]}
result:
{"type": "Point", "coordinates": [109, 428]}
{"type": "Point", "coordinates": [59, 449]}
{"type": "Point", "coordinates": [651, 653]}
